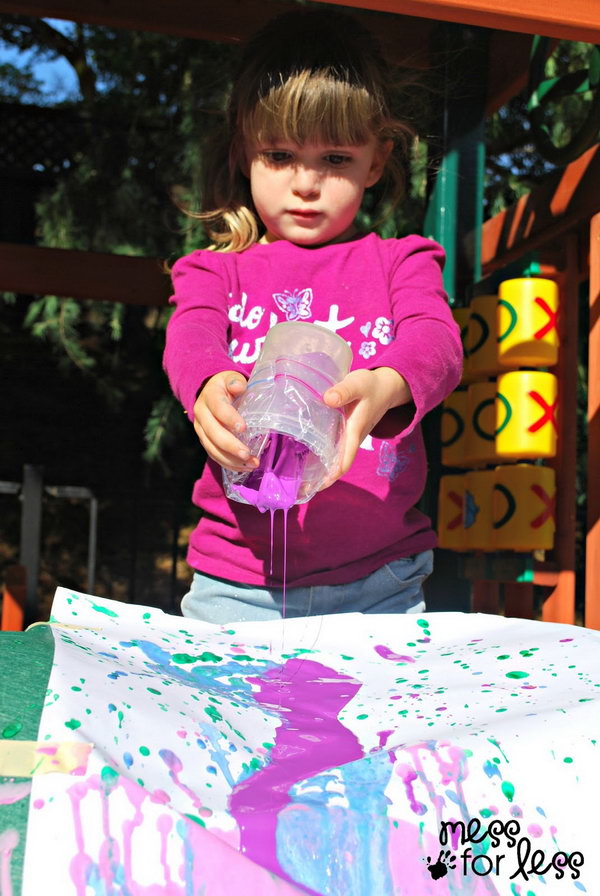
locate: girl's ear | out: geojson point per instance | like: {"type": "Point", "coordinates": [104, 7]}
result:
{"type": "Point", "coordinates": [380, 157]}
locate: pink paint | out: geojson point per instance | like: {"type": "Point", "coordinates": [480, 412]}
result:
{"type": "Point", "coordinates": [175, 766]}
{"type": "Point", "coordinates": [203, 856]}
{"type": "Point", "coordinates": [310, 740]}
{"type": "Point", "coordinates": [388, 654]}
{"type": "Point", "coordinates": [182, 734]}
{"type": "Point", "coordinates": [535, 830]}
{"type": "Point", "coordinates": [9, 840]}
{"type": "Point", "coordinates": [164, 826]}
{"type": "Point", "coordinates": [12, 792]}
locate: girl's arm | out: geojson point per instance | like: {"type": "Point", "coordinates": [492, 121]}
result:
{"type": "Point", "coordinates": [196, 360]}
{"type": "Point", "coordinates": [419, 368]}
{"type": "Point", "coordinates": [196, 346]}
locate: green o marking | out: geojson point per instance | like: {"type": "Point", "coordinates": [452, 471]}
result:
{"type": "Point", "coordinates": [513, 319]}
{"type": "Point", "coordinates": [506, 403]}
{"type": "Point", "coordinates": [460, 426]}
{"type": "Point", "coordinates": [485, 332]}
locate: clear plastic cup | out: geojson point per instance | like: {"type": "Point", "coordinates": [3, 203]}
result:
{"type": "Point", "coordinates": [296, 436]}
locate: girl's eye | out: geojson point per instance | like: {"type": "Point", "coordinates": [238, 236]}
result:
{"type": "Point", "coordinates": [337, 159]}
{"type": "Point", "coordinates": [276, 156]}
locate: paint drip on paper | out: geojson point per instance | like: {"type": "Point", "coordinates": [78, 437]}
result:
{"type": "Point", "coordinates": [345, 755]}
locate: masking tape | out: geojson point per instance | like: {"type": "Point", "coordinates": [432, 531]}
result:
{"type": "Point", "coordinates": [27, 758]}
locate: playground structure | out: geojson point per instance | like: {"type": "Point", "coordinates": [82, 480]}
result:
{"type": "Point", "coordinates": [553, 234]}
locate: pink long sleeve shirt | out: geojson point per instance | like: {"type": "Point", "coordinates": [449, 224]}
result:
{"type": "Point", "coordinates": [386, 299]}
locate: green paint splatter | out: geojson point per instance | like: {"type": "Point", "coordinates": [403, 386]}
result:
{"type": "Point", "coordinates": [74, 687]}
{"type": "Point", "coordinates": [363, 715]}
{"type": "Point", "coordinates": [485, 813]}
{"type": "Point", "coordinates": [568, 759]}
{"type": "Point", "coordinates": [73, 724]}
{"type": "Point", "coordinates": [146, 616]}
{"type": "Point", "coordinates": [503, 656]}
{"type": "Point", "coordinates": [508, 790]}
{"type": "Point", "coordinates": [104, 610]}
{"type": "Point", "coordinates": [207, 657]}
{"type": "Point", "coordinates": [517, 674]}
{"type": "Point", "coordinates": [144, 751]}
{"type": "Point", "coordinates": [109, 775]}
{"type": "Point", "coordinates": [12, 729]}
{"type": "Point", "coordinates": [154, 691]}
{"type": "Point", "coordinates": [195, 819]}
{"type": "Point", "coordinates": [344, 657]}
{"type": "Point", "coordinates": [502, 709]}
{"type": "Point", "coordinates": [214, 714]}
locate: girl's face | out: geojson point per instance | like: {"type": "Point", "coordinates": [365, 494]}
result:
{"type": "Point", "coordinates": [310, 194]}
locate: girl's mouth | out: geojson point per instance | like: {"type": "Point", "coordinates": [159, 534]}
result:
{"type": "Point", "coordinates": [305, 214]}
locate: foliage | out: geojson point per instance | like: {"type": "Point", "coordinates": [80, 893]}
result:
{"type": "Point", "coordinates": [146, 104]}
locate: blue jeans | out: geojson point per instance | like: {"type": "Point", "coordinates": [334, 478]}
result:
{"type": "Point", "coordinates": [396, 587]}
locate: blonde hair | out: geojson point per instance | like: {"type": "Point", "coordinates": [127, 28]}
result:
{"type": "Point", "coordinates": [308, 76]}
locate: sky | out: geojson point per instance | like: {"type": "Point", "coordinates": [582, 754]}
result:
{"type": "Point", "coordinates": [58, 78]}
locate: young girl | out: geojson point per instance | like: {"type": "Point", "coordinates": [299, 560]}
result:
{"type": "Point", "coordinates": [310, 128]}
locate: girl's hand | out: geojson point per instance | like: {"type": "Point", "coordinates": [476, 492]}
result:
{"type": "Point", "coordinates": [367, 395]}
{"type": "Point", "coordinates": [216, 421]}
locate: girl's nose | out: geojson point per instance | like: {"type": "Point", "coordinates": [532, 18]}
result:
{"type": "Point", "coordinates": [305, 182]}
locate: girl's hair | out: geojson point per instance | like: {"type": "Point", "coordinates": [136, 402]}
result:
{"type": "Point", "coordinates": [307, 76]}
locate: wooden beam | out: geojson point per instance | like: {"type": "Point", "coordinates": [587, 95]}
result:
{"type": "Point", "coordinates": [35, 270]}
{"type": "Point", "coordinates": [403, 38]}
{"type": "Point", "coordinates": [573, 20]}
{"type": "Point", "coordinates": [567, 196]}
{"type": "Point", "coordinates": [592, 565]}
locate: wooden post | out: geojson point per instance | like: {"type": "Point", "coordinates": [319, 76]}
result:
{"type": "Point", "coordinates": [592, 553]}
{"type": "Point", "coordinates": [486, 597]}
{"type": "Point", "coordinates": [518, 600]}
{"type": "Point", "coordinates": [559, 606]}
{"type": "Point", "coordinates": [14, 598]}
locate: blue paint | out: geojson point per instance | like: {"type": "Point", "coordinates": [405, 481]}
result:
{"type": "Point", "coordinates": [492, 770]}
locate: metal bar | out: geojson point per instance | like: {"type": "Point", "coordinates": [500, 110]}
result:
{"type": "Point", "coordinates": [92, 540]}
{"type": "Point", "coordinates": [31, 523]}
{"type": "Point", "coordinates": [592, 554]}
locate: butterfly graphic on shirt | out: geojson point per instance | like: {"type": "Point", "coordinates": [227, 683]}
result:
{"type": "Point", "coordinates": [393, 460]}
{"type": "Point", "coordinates": [295, 305]}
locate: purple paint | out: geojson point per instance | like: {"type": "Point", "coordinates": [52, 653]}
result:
{"type": "Point", "coordinates": [274, 485]}
{"type": "Point", "coordinates": [310, 740]}
{"type": "Point", "coordinates": [388, 654]}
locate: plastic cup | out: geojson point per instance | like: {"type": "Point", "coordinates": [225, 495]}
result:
{"type": "Point", "coordinates": [299, 361]}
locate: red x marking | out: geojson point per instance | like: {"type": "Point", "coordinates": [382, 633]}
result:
{"type": "Point", "coordinates": [549, 502]}
{"type": "Point", "coordinates": [549, 415]}
{"type": "Point", "coordinates": [457, 520]}
{"type": "Point", "coordinates": [552, 323]}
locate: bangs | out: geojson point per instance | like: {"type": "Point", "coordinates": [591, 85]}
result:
{"type": "Point", "coordinates": [312, 107]}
